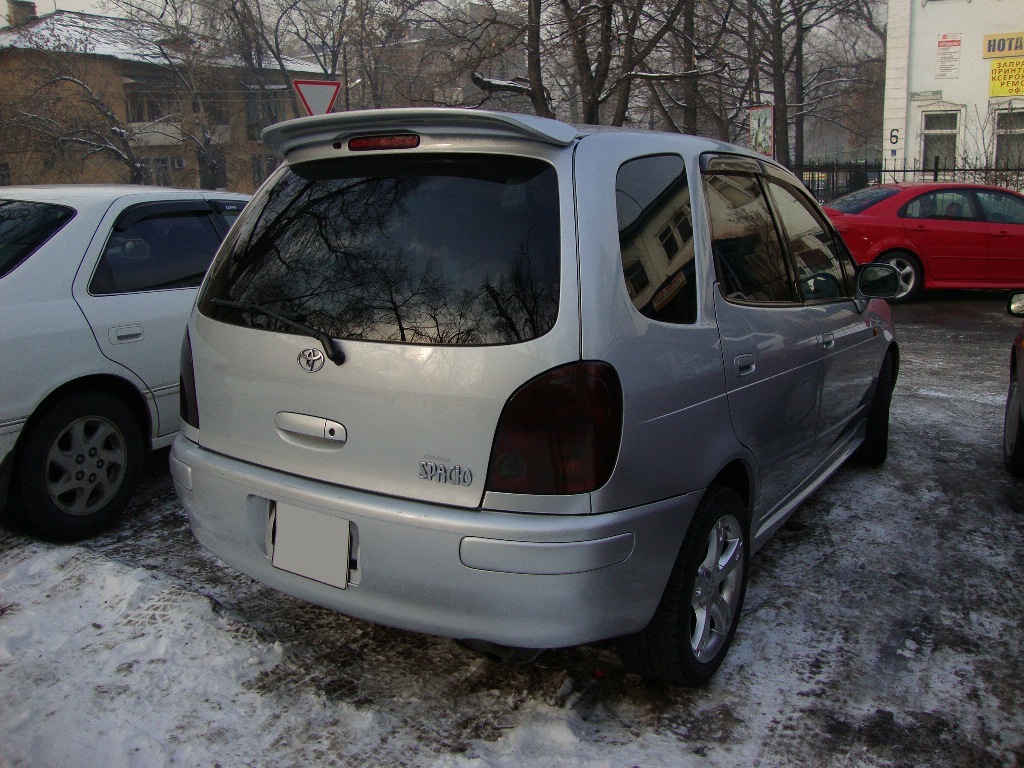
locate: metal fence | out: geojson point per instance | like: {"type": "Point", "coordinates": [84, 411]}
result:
{"type": "Point", "coordinates": [827, 181]}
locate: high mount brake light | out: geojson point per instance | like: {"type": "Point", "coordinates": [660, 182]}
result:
{"type": "Point", "coordinates": [393, 141]}
{"type": "Point", "coordinates": [559, 433]}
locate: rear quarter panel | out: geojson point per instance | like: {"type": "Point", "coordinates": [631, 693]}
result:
{"type": "Point", "coordinates": [676, 429]}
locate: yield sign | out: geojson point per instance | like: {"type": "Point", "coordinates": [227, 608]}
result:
{"type": "Point", "coordinates": [317, 95]}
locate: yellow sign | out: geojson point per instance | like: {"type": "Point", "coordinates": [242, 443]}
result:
{"type": "Point", "coordinates": [1003, 46]}
{"type": "Point", "coordinates": [1007, 78]}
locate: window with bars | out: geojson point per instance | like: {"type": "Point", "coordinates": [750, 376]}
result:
{"type": "Point", "coordinates": [1010, 139]}
{"type": "Point", "coordinates": [938, 138]}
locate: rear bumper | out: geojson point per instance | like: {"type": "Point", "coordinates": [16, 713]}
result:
{"type": "Point", "coordinates": [537, 581]}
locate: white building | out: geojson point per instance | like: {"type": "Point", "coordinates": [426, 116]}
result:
{"type": "Point", "coordinates": [954, 83]}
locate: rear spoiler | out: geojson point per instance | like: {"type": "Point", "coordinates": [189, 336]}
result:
{"type": "Point", "coordinates": [285, 137]}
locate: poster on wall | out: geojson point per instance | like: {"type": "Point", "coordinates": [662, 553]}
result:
{"type": "Point", "coordinates": [1007, 78]}
{"type": "Point", "coordinates": [762, 130]}
{"type": "Point", "coordinates": [947, 62]}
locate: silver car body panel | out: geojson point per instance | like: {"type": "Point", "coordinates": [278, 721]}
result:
{"type": "Point", "coordinates": [541, 584]}
{"type": "Point", "coordinates": [403, 405]}
{"type": "Point", "coordinates": [535, 571]}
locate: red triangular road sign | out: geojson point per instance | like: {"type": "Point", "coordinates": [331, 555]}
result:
{"type": "Point", "coordinates": [317, 96]}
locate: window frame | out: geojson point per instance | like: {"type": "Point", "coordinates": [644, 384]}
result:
{"type": "Point", "coordinates": [140, 212]}
{"type": "Point", "coordinates": [677, 291]}
{"type": "Point", "coordinates": [837, 250]}
{"type": "Point", "coordinates": [927, 133]}
{"type": "Point", "coordinates": [763, 172]}
{"type": "Point", "coordinates": [1015, 131]}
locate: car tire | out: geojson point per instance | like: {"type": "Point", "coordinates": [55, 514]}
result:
{"type": "Point", "coordinates": [695, 622]}
{"type": "Point", "coordinates": [1013, 431]}
{"type": "Point", "coordinates": [875, 448]}
{"type": "Point", "coordinates": [911, 274]}
{"type": "Point", "coordinates": [79, 466]}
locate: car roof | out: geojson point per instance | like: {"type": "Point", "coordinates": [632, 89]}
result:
{"type": "Point", "coordinates": [922, 186]}
{"type": "Point", "coordinates": [70, 194]}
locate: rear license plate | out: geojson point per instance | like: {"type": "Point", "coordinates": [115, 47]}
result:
{"type": "Point", "coordinates": [311, 544]}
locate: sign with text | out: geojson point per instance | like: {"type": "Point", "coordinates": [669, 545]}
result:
{"type": "Point", "coordinates": [947, 63]}
{"type": "Point", "coordinates": [317, 96]}
{"type": "Point", "coordinates": [1002, 46]}
{"type": "Point", "coordinates": [1007, 78]}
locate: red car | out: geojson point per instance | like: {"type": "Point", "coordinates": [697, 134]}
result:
{"type": "Point", "coordinates": [938, 235]}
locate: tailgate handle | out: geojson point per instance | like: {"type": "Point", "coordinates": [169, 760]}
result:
{"type": "Point", "coordinates": [311, 426]}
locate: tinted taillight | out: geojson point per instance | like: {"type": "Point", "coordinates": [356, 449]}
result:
{"type": "Point", "coordinates": [559, 433]}
{"type": "Point", "coordinates": [187, 403]}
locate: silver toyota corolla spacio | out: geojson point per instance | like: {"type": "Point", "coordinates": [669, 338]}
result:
{"type": "Point", "coordinates": [525, 385]}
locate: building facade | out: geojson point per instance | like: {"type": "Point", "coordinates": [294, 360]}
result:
{"type": "Point", "coordinates": [94, 99]}
{"type": "Point", "coordinates": [954, 86]}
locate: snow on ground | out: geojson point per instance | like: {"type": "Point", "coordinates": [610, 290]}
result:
{"type": "Point", "coordinates": [882, 628]}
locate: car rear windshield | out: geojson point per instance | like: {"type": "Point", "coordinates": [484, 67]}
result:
{"type": "Point", "coordinates": [861, 200]}
{"type": "Point", "coordinates": [26, 225]}
{"type": "Point", "coordinates": [439, 249]}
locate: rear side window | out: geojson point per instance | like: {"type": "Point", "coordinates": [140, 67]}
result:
{"type": "Point", "coordinates": [656, 237]}
{"type": "Point", "coordinates": [948, 204]}
{"type": "Point", "coordinates": [438, 249]}
{"type": "Point", "coordinates": [26, 225]}
{"type": "Point", "coordinates": [168, 250]}
{"type": "Point", "coordinates": [1001, 207]}
{"type": "Point", "coordinates": [748, 255]}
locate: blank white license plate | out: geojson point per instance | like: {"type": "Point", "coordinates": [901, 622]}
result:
{"type": "Point", "coordinates": [311, 544]}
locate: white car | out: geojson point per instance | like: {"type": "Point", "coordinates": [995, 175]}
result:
{"type": "Point", "coordinates": [96, 284]}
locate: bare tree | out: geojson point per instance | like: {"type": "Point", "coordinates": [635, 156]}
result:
{"type": "Point", "coordinates": [68, 114]}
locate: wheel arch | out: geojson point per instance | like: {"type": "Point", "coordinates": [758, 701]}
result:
{"type": "Point", "coordinates": [112, 385]}
{"type": "Point", "coordinates": [738, 475]}
{"type": "Point", "coordinates": [893, 350]}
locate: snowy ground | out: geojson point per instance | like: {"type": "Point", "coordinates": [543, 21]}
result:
{"type": "Point", "coordinates": [883, 627]}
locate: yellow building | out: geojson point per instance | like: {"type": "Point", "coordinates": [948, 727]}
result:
{"type": "Point", "coordinates": [91, 98]}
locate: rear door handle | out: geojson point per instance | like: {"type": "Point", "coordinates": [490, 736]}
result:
{"type": "Point", "coordinates": [745, 364]}
{"type": "Point", "coordinates": [828, 340]}
{"type": "Point", "coordinates": [125, 334]}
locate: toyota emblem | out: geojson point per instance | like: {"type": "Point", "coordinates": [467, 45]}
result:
{"type": "Point", "coordinates": [311, 360]}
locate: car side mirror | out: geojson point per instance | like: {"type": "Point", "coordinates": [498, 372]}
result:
{"type": "Point", "coordinates": [1015, 305]}
{"type": "Point", "coordinates": [878, 281]}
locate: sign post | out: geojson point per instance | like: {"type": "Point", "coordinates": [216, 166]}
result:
{"type": "Point", "coordinates": [317, 96]}
{"type": "Point", "coordinates": [762, 130]}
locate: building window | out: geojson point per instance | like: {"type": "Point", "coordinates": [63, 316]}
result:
{"type": "Point", "coordinates": [216, 109]}
{"type": "Point", "coordinates": [1010, 139]}
{"type": "Point", "coordinates": [148, 102]}
{"type": "Point", "coordinates": [162, 171]}
{"type": "Point", "coordinates": [262, 166]}
{"type": "Point", "coordinates": [939, 138]}
{"type": "Point", "coordinates": [262, 108]}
